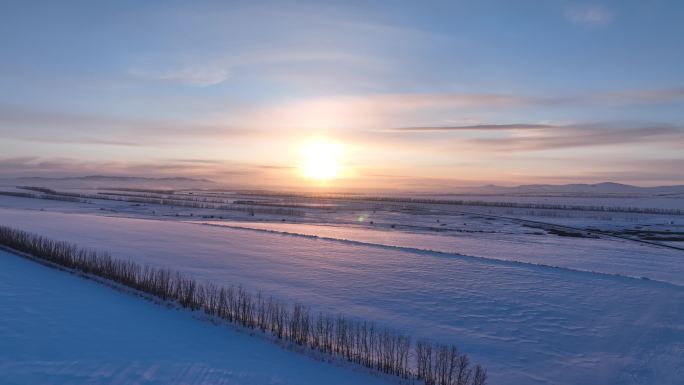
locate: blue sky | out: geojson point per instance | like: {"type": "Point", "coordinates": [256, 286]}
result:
{"type": "Point", "coordinates": [511, 91]}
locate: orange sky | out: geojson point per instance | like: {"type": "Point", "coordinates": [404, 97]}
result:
{"type": "Point", "coordinates": [406, 96]}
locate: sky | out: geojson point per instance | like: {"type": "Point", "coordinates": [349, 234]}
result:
{"type": "Point", "coordinates": [348, 94]}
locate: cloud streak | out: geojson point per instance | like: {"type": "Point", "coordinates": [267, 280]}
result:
{"type": "Point", "coordinates": [44, 126]}
{"type": "Point", "coordinates": [585, 135]}
{"type": "Point", "coordinates": [343, 112]}
{"type": "Point", "coordinates": [589, 15]}
{"type": "Point", "coordinates": [191, 76]}
{"type": "Point", "coordinates": [476, 127]}
{"type": "Point", "coordinates": [68, 167]}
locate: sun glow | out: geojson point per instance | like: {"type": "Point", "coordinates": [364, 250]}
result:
{"type": "Point", "coordinates": [321, 160]}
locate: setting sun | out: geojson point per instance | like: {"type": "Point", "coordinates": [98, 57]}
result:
{"type": "Point", "coordinates": [321, 160]}
{"type": "Point", "coordinates": [428, 192]}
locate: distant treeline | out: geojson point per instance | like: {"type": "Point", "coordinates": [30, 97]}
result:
{"type": "Point", "coordinates": [20, 194]}
{"type": "Point", "coordinates": [545, 206]}
{"type": "Point", "coordinates": [284, 204]}
{"type": "Point", "coordinates": [188, 198]}
{"type": "Point", "coordinates": [43, 190]}
{"type": "Point", "coordinates": [550, 206]}
{"type": "Point", "coordinates": [143, 190]}
{"type": "Point", "coordinates": [361, 342]}
{"type": "Point", "coordinates": [198, 203]}
{"type": "Point", "coordinates": [176, 201]}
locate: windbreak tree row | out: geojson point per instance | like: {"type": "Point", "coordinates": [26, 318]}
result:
{"type": "Point", "coordinates": [461, 202]}
{"type": "Point", "coordinates": [20, 194]}
{"type": "Point", "coordinates": [176, 201]}
{"type": "Point", "coordinates": [362, 342]}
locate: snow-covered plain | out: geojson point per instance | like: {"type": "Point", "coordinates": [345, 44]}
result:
{"type": "Point", "coordinates": [608, 256]}
{"type": "Point", "coordinates": [526, 323]}
{"type": "Point", "coordinates": [57, 328]}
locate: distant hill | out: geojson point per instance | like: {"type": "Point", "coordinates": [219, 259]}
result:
{"type": "Point", "coordinates": [119, 178]}
{"type": "Point", "coordinates": [111, 181]}
{"type": "Point", "coordinates": [607, 188]}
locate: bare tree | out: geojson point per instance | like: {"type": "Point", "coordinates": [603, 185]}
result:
{"type": "Point", "coordinates": [357, 341]}
{"type": "Point", "coordinates": [480, 377]}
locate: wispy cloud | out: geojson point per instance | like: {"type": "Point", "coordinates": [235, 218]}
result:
{"type": "Point", "coordinates": [192, 76]}
{"type": "Point", "coordinates": [274, 167]}
{"type": "Point", "coordinates": [647, 171]}
{"type": "Point", "coordinates": [402, 112]}
{"type": "Point", "coordinates": [592, 15]}
{"type": "Point", "coordinates": [477, 127]}
{"type": "Point", "coordinates": [65, 167]}
{"type": "Point", "coordinates": [46, 126]}
{"type": "Point", "coordinates": [584, 135]}
{"type": "Point", "coordinates": [413, 112]}
{"type": "Point", "coordinates": [641, 96]}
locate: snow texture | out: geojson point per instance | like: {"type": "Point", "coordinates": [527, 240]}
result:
{"type": "Point", "coordinates": [57, 328]}
{"type": "Point", "coordinates": [527, 323]}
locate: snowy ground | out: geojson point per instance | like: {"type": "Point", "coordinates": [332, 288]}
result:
{"type": "Point", "coordinates": [531, 306]}
{"type": "Point", "coordinates": [57, 328]}
{"type": "Point", "coordinates": [608, 256]}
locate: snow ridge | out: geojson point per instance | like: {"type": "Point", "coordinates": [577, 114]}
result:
{"type": "Point", "coordinates": [496, 261]}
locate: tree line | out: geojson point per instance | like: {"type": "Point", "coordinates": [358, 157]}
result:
{"type": "Point", "coordinates": [187, 202]}
{"type": "Point", "coordinates": [460, 202]}
{"type": "Point", "coordinates": [358, 341]}
{"type": "Point", "coordinates": [20, 194]}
